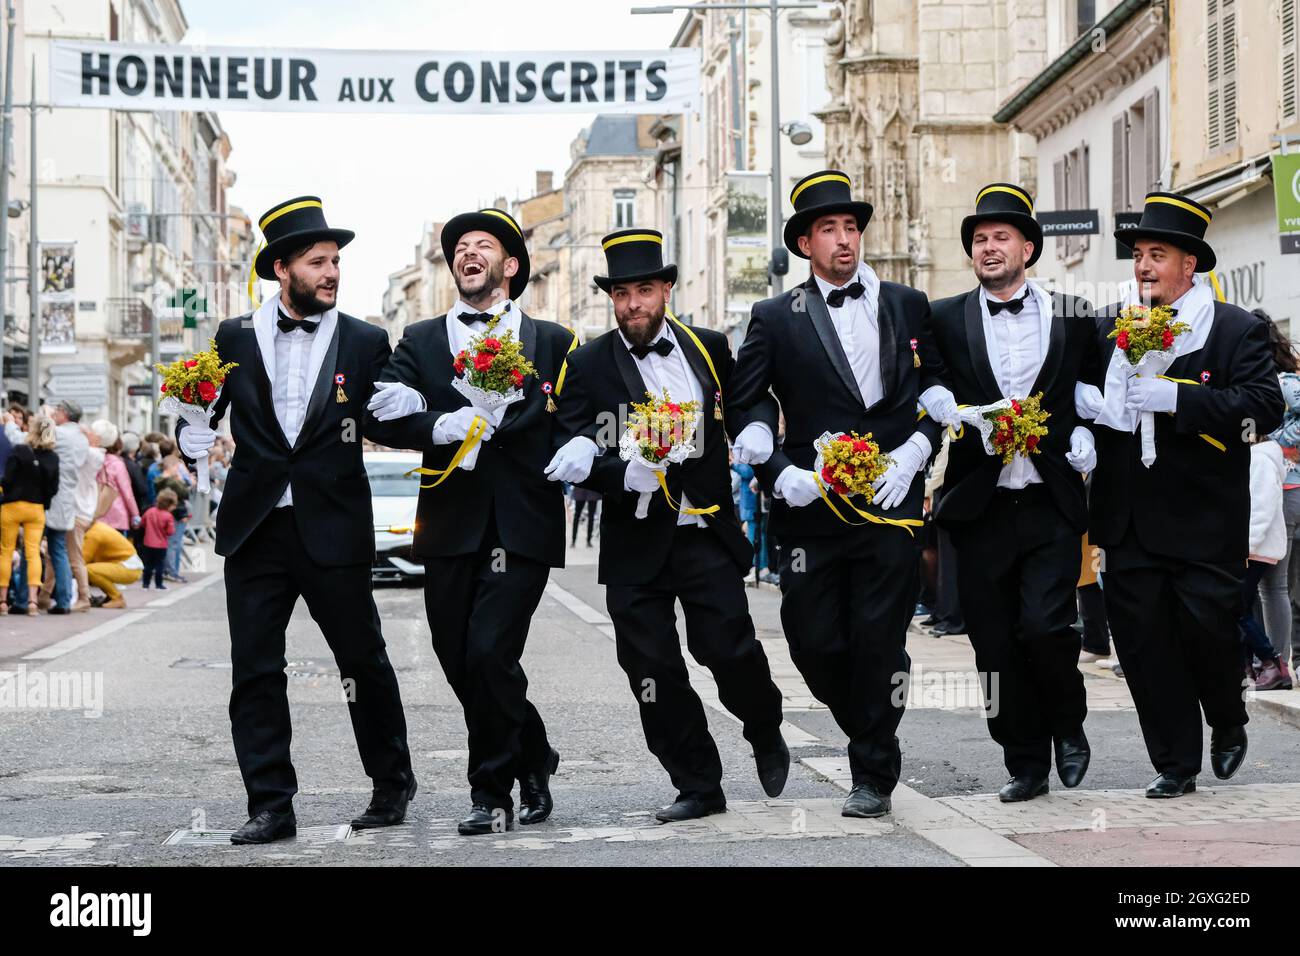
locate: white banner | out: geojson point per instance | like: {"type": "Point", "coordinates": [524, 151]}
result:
{"type": "Point", "coordinates": [145, 77]}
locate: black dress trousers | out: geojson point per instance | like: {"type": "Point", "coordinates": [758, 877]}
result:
{"type": "Point", "coordinates": [1174, 624]}
{"type": "Point", "coordinates": [479, 607]}
{"type": "Point", "coordinates": [264, 579]}
{"type": "Point", "coordinates": [1017, 570]}
{"type": "Point", "coordinates": [701, 573]}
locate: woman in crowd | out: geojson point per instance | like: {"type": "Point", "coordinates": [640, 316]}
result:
{"type": "Point", "coordinates": [123, 515]}
{"type": "Point", "coordinates": [31, 477]}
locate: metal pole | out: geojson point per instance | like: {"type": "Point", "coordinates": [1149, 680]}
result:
{"type": "Point", "coordinates": [33, 267]}
{"type": "Point", "coordinates": [6, 133]}
{"type": "Point", "coordinates": [777, 282]}
{"type": "Point", "coordinates": [155, 339]}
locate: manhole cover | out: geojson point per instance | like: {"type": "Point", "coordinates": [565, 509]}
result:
{"type": "Point", "coordinates": [189, 662]}
{"type": "Point", "coordinates": [306, 835]}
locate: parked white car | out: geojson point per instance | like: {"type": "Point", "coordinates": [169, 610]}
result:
{"type": "Point", "coordinates": [393, 497]}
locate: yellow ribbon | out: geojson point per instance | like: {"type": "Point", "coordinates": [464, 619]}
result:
{"type": "Point", "coordinates": [252, 278]}
{"type": "Point", "coordinates": [564, 366]}
{"type": "Point", "coordinates": [695, 340]}
{"type": "Point", "coordinates": [1187, 381]}
{"type": "Point", "coordinates": [907, 524]}
{"type": "Point", "coordinates": [954, 435]}
{"type": "Point", "coordinates": [712, 509]}
{"type": "Point", "coordinates": [476, 429]}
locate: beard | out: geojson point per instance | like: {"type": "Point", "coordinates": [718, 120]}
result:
{"type": "Point", "coordinates": [487, 282]}
{"type": "Point", "coordinates": [648, 325]}
{"type": "Point", "coordinates": [304, 300]}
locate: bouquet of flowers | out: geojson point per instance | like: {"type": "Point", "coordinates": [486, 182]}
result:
{"type": "Point", "coordinates": [1145, 335]}
{"type": "Point", "coordinates": [1013, 427]}
{"type": "Point", "coordinates": [490, 374]}
{"type": "Point", "coordinates": [659, 433]}
{"type": "Point", "coordinates": [849, 463]}
{"type": "Point", "coordinates": [190, 388]}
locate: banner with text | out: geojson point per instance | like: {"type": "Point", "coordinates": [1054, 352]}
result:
{"type": "Point", "coordinates": [150, 77]}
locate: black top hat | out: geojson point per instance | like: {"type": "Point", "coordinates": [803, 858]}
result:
{"type": "Point", "coordinates": [1004, 202]}
{"type": "Point", "coordinates": [821, 194]}
{"type": "Point", "coordinates": [1177, 220]}
{"type": "Point", "coordinates": [495, 223]}
{"type": "Point", "coordinates": [291, 225]}
{"type": "Point", "coordinates": [633, 255]}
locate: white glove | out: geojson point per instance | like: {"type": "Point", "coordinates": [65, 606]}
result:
{"type": "Point", "coordinates": [941, 405]}
{"type": "Point", "coordinates": [798, 486]}
{"type": "Point", "coordinates": [196, 441]}
{"type": "Point", "coordinates": [1087, 400]}
{"type": "Point", "coordinates": [1151, 394]}
{"type": "Point", "coordinates": [455, 426]}
{"type": "Point", "coordinates": [573, 461]}
{"type": "Point", "coordinates": [892, 487]}
{"type": "Point", "coordinates": [394, 400]}
{"type": "Point", "coordinates": [639, 478]}
{"type": "Point", "coordinates": [1082, 455]}
{"type": "Point", "coordinates": [753, 445]}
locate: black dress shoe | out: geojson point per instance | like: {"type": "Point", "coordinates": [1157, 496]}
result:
{"type": "Point", "coordinates": [535, 803]}
{"type": "Point", "coordinates": [864, 800]}
{"type": "Point", "coordinates": [266, 827]}
{"type": "Point", "coordinates": [1018, 789]}
{"type": "Point", "coordinates": [691, 808]}
{"type": "Point", "coordinates": [1072, 755]}
{"type": "Point", "coordinates": [1227, 751]}
{"type": "Point", "coordinates": [1167, 785]}
{"type": "Point", "coordinates": [484, 819]}
{"type": "Point", "coordinates": [773, 764]}
{"type": "Point", "coordinates": [387, 808]}
{"type": "Point", "coordinates": [946, 628]}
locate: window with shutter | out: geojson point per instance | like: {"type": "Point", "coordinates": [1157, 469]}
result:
{"type": "Point", "coordinates": [1081, 198]}
{"type": "Point", "coordinates": [1119, 164]}
{"type": "Point", "coordinates": [1290, 82]}
{"type": "Point", "coordinates": [1061, 200]}
{"type": "Point", "coordinates": [1228, 80]}
{"type": "Point", "coordinates": [1151, 130]}
{"type": "Point", "coordinates": [1213, 109]}
{"type": "Point", "coordinates": [1221, 73]}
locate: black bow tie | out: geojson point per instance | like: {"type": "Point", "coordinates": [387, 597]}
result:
{"type": "Point", "coordinates": [288, 325]}
{"type": "Point", "coordinates": [835, 298]}
{"type": "Point", "coordinates": [469, 318]}
{"type": "Point", "coordinates": [1012, 305]}
{"type": "Point", "coordinates": [662, 348]}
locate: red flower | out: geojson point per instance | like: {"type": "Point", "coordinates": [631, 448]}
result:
{"type": "Point", "coordinates": [459, 365]}
{"type": "Point", "coordinates": [1004, 422]}
{"type": "Point", "coordinates": [674, 408]}
{"type": "Point", "coordinates": [483, 361]}
{"type": "Point", "coordinates": [849, 468]}
{"type": "Point", "coordinates": [187, 395]}
{"type": "Point", "coordinates": [517, 377]}
{"type": "Point", "coordinates": [492, 345]}
{"type": "Point", "coordinates": [662, 451]}
{"type": "Point", "coordinates": [840, 488]}
{"type": "Point", "coordinates": [207, 391]}
{"type": "Point", "coordinates": [164, 386]}
{"type": "Point", "coordinates": [1015, 406]}
{"type": "Point", "coordinates": [845, 437]}
{"type": "Point", "coordinates": [191, 363]}
{"type": "Point", "coordinates": [1168, 338]}
{"type": "Point", "coordinates": [1031, 442]}
{"type": "Point", "coordinates": [861, 445]}
{"type": "Point", "coordinates": [1122, 341]}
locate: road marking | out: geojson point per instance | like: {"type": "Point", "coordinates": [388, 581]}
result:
{"type": "Point", "coordinates": [700, 676]}
{"type": "Point", "coordinates": [945, 827]}
{"type": "Point", "coordinates": [188, 591]}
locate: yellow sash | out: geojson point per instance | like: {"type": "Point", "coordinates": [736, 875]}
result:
{"type": "Point", "coordinates": [907, 524]}
{"type": "Point", "coordinates": [476, 429]}
{"type": "Point", "coordinates": [1187, 381]}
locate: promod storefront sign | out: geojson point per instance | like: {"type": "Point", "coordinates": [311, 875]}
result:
{"type": "Point", "coordinates": [156, 77]}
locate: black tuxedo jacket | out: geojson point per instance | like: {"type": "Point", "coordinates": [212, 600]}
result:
{"type": "Point", "coordinates": [1193, 503]}
{"type": "Point", "coordinates": [972, 474]}
{"type": "Point", "coordinates": [508, 483]}
{"type": "Point", "coordinates": [792, 348]}
{"type": "Point", "coordinates": [331, 493]}
{"type": "Point", "coordinates": [602, 382]}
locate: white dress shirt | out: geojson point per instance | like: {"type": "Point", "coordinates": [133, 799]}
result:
{"type": "Point", "coordinates": [671, 373]}
{"type": "Point", "coordinates": [292, 386]}
{"type": "Point", "coordinates": [857, 324]}
{"type": "Point", "coordinates": [1019, 348]}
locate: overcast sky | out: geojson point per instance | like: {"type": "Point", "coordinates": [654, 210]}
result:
{"type": "Point", "coordinates": [384, 176]}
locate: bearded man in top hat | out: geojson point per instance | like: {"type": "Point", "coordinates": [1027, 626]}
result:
{"type": "Point", "coordinates": [295, 517]}
{"type": "Point", "coordinates": [844, 352]}
{"type": "Point", "coordinates": [1016, 527]}
{"type": "Point", "coordinates": [693, 551]}
{"type": "Point", "coordinates": [488, 536]}
{"type": "Point", "coordinates": [1174, 530]}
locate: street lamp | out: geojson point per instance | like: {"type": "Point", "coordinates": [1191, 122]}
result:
{"type": "Point", "coordinates": [780, 262]}
{"type": "Point", "coordinates": [800, 133]}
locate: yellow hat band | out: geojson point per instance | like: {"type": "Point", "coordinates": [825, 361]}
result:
{"type": "Point", "coordinates": [1006, 189]}
{"type": "Point", "coordinates": [640, 237]}
{"type": "Point", "coordinates": [829, 177]}
{"type": "Point", "coordinates": [502, 216]}
{"type": "Point", "coordinates": [1181, 205]}
{"type": "Point", "coordinates": [273, 216]}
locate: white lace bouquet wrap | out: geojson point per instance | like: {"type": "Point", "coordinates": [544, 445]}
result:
{"type": "Point", "coordinates": [630, 446]}
{"type": "Point", "coordinates": [196, 416]}
{"type": "Point", "coordinates": [490, 404]}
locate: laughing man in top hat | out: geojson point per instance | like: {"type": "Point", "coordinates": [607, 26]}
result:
{"type": "Point", "coordinates": [843, 352]}
{"type": "Point", "coordinates": [1174, 534]}
{"type": "Point", "coordinates": [488, 537]}
{"type": "Point", "coordinates": [694, 553]}
{"type": "Point", "coordinates": [295, 517]}
{"type": "Point", "coordinates": [1016, 527]}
